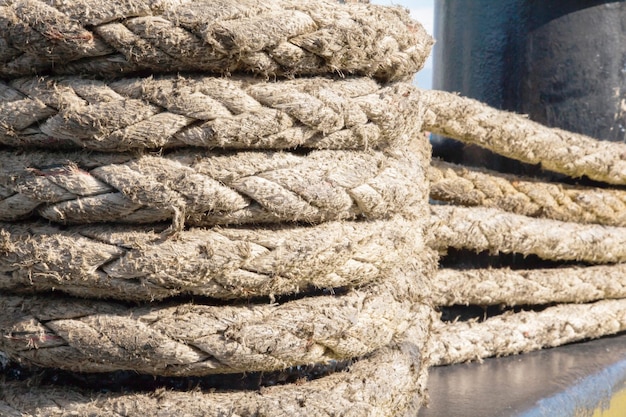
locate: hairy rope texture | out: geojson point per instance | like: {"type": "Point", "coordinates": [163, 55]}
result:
{"type": "Point", "coordinates": [512, 333]}
{"type": "Point", "coordinates": [192, 339]}
{"type": "Point", "coordinates": [529, 197]}
{"type": "Point", "coordinates": [138, 264]}
{"type": "Point", "coordinates": [485, 229]}
{"type": "Point", "coordinates": [387, 383]}
{"type": "Point", "coordinates": [516, 137]}
{"type": "Point", "coordinates": [503, 286]}
{"type": "Point", "coordinates": [208, 112]}
{"type": "Point", "coordinates": [281, 37]}
{"type": "Point", "coordinates": [202, 189]}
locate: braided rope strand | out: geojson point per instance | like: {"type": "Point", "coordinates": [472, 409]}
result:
{"type": "Point", "coordinates": [136, 264]}
{"type": "Point", "coordinates": [192, 339]}
{"type": "Point", "coordinates": [484, 229]}
{"type": "Point", "coordinates": [525, 331]}
{"type": "Point", "coordinates": [503, 286]}
{"type": "Point", "coordinates": [283, 37]}
{"type": "Point", "coordinates": [477, 187]}
{"type": "Point", "coordinates": [208, 112]}
{"type": "Point", "coordinates": [211, 188]}
{"type": "Point", "coordinates": [516, 137]}
{"type": "Point", "coordinates": [388, 382]}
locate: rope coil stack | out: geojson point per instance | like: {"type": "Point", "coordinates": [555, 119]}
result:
{"type": "Point", "coordinates": [171, 206]}
{"type": "Point", "coordinates": [575, 233]}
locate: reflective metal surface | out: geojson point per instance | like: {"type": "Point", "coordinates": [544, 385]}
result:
{"type": "Point", "coordinates": [578, 380]}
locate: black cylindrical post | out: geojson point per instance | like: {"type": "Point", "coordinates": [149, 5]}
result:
{"type": "Point", "coordinates": [562, 62]}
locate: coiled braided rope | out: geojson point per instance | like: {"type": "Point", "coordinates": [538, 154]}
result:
{"type": "Point", "coordinates": [366, 389]}
{"type": "Point", "coordinates": [209, 112]}
{"type": "Point", "coordinates": [282, 37]}
{"type": "Point", "coordinates": [210, 188]}
{"type": "Point", "coordinates": [138, 264]}
{"type": "Point", "coordinates": [192, 339]}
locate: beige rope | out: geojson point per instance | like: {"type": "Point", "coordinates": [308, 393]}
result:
{"type": "Point", "coordinates": [389, 383]}
{"type": "Point", "coordinates": [210, 112]}
{"type": "Point", "coordinates": [529, 286]}
{"type": "Point", "coordinates": [484, 229]}
{"type": "Point", "coordinates": [193, 339]}
{"type": "Point", "coordinates": [282, 37]}
{"type": "Point", "coordinates": [137, 264]}
{"type": "Point", "coordinates": [517, 137]}
{"type": "Point", "coordinates": [478, 187]}
{"type": "Point", "coordinates": [525, 331]}
{"type": "Point", "coordinates": [210, 188]}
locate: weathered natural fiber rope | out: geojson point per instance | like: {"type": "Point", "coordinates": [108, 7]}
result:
{"type": "Point", "coordinates": [282, 37]}
{"type": "Point", "coordinates": [137, 264]}
{"type": "Point", "coordinates": [486, 229]}
{"type": "Point", "coordinates": [203, 188]}
{"type": "Point", "coordinates": [191, 339]}
{"type": "Point", "coordinates": [530, 286]}
{"type": "Point", "coordinates": [525, 331]}
{"type": "Point", "coordinates": [478, 187]}
{"type": "Point", "coordinates": [516, 137]}
{"type": "Point", "coordinates": [208, 112]}
{"type": "Point", "coordinates": [389, 383]}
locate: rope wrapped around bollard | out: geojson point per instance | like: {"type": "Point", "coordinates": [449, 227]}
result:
{"type": "Point", "coordinates": [208, 112]}
{"type": "Point", "coordinates": [283, 37]}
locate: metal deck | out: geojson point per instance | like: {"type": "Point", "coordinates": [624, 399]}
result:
{"type": "Point", "coordinates": [579, 380]}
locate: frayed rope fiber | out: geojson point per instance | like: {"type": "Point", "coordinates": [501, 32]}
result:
{"type": "Point", "coordinates": [281, 37]}
{"type": "Point", "coordinates": [207, 112]}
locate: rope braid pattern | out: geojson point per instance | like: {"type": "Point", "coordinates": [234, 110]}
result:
{"type": "Point", "coordinates": [190, 339]}
{"type": "Point", "coordinates": [237, 113]}
{"type": "Point", "coordinates": [365, 390]}
{"type": "Point", "coordinates": [516, 137]}
{"type": "Point", "coordinates": [484, 229]}
{"type": "Point", "coordinates": [282, 37]}
{"type": "Point", "coordinates": [525, 331]}
{"type": "Point", "coordinates": [477, 187]}
{"type": "Point", "coordinates": [210, 188]}
{"type": "Point", "coordinates": [504, 286]}
{"type": "Point", "coordinates": [138, 264]}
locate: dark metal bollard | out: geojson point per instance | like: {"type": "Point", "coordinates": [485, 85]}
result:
{"type": "Point", "coordinates": [562, 62]}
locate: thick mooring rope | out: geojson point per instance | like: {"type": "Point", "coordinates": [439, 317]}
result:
{"type": "Point", "coordinates": [485, 229]}
{"type": "Point", "coordinates": [390, 382]}
{"type": "Point", "coordinates": [512, 333]}
{"type": "Point", "coordinates": [204, 188]}
{"type": "Point", "coordinates": [529, 197]}
{"type": "Point", "coordinates": [192, 339]}
{"type": "Point", "coordinates": [282, 37]}
{"type": "Point", "coordinates": [209, 112]}
{"type": "Point", "coordinates": [517, 137]}
{"type": "Point", "coordinates": [503, 286]}
{"type": "Point", "coordinates": [137, 264]}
